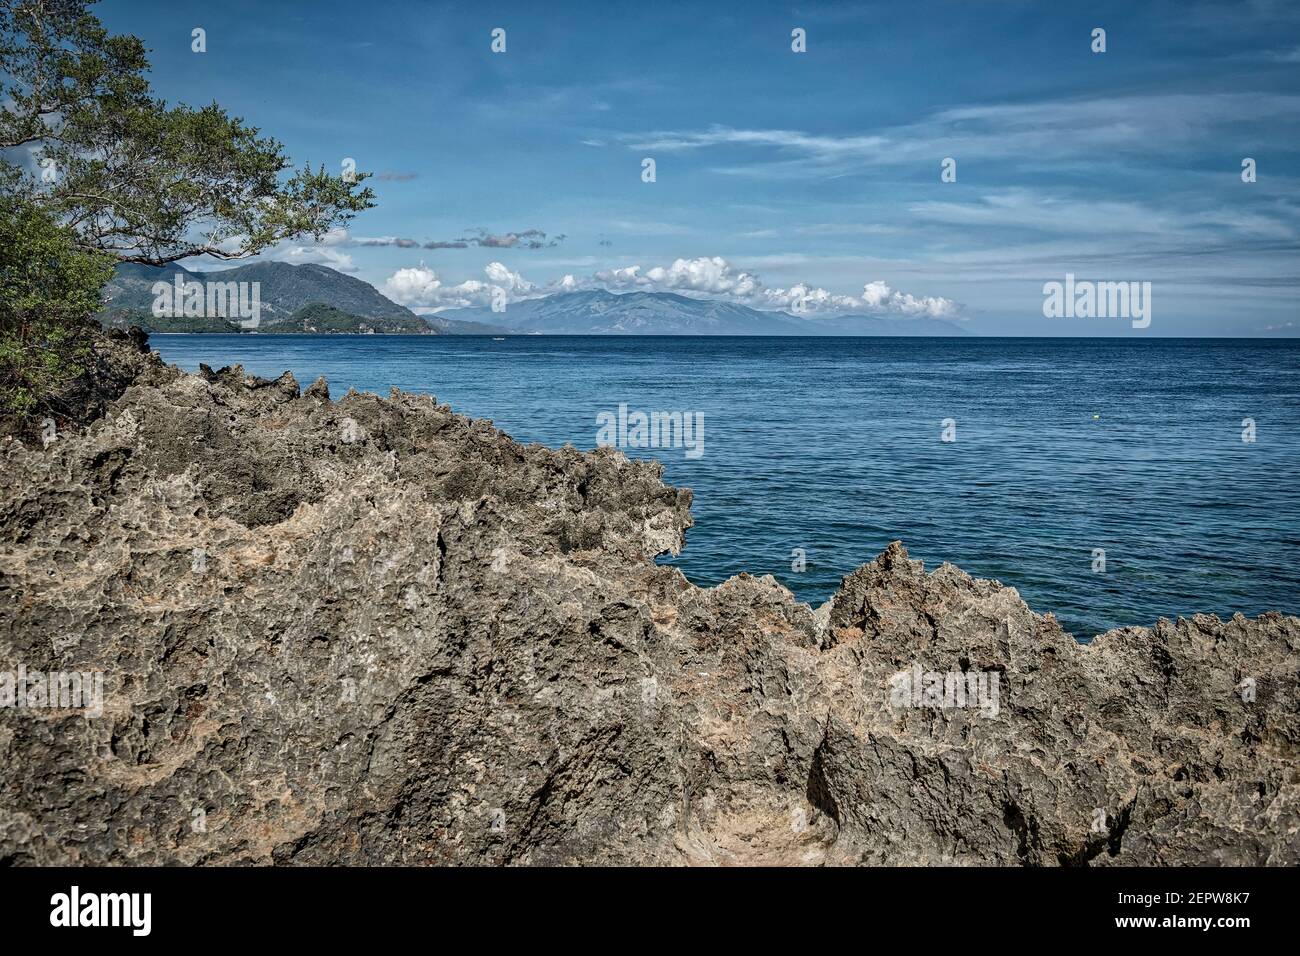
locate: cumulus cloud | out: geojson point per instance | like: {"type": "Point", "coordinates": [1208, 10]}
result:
{"type": "Point", "coordinates": [715, 278]}
{"type": "Point", "coordinates": [705, 277]}
{"type": "Point", "coordinates": [512, 282]}
{"type": "Point", "coordinates": [320, 254]}
{"type": "Point", "coordinates": [423, 290]}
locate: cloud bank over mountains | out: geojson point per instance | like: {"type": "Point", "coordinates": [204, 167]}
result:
{"type": "Point", "coordinates": [706, 277]}
{"type": "Point", "coordinates": [422, 290]}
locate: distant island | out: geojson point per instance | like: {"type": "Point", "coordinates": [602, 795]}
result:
{"type": "Point", "coordinates": [304, 299]}
{"type": "Point", "coordinates": [599, 312]}
{"type": "Point", "coordinates": [314, 299]}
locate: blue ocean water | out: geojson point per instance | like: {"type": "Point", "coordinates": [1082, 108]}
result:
{"type": "Point", "coordinates": [834, 446]}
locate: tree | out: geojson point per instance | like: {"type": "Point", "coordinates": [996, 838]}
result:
{"type": "Point", "coordinates": [91, 161]}
{"type": "Point", "coordinates": [133, 177]}
{"type": "Point", "coordinates": [47, 288]}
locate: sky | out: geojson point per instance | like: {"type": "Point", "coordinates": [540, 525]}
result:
{"type": "Point", "coordinates": [779, 175]}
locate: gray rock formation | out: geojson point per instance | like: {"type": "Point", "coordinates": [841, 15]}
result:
{"type": "Point", "coordinates": [372, 631]}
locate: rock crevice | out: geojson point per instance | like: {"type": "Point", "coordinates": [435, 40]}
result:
{"type": "Point", "coordinates": [372, 631]}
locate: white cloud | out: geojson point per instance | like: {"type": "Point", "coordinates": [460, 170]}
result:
{"type": "Point", "coordinates": [649, 228]}
{"type": "Point", "coordinates": [515, 285]}
{"type": "Point", "coordinates": [420, 288]}
{"type": "Point", "coordinates": [1147, 124]}
{"type": "Point", "coordinates": [1048, 213]}
{"type": "Point", "coordinates": [338, 236]}
{"type": "Point", "coordinates": [412, 286]}
{"type": "Point", "coordinates": [715, 278]}
{"type": "Point", "coordinates": [706, 277]}
{"type": "Point", "coordinates": [322, 254]}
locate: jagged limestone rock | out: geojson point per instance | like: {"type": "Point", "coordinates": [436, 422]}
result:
{"type": "Point", "coordinates": [373, 631]}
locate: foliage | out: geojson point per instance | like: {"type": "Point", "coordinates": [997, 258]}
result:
{"type": "Point", "coordinates": [48, 285]}
{"type": "Point", "coordinates": [94, 168]}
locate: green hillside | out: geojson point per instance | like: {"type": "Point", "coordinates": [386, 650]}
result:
{"type": "Point", "coordinates": [317, 317]}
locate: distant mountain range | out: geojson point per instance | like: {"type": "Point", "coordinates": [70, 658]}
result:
{"type": "Point", "coordinates": [294, 298]}
{"type": "Point", "coordinates": [598, 312]}
{"type": "Point", "coordinates": [313, 298]}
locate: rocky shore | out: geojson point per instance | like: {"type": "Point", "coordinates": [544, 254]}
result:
{"type": "Point", "coordinates": [371, 631]}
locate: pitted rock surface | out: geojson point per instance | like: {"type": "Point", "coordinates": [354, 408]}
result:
{"type": "Point", "coordinates": [372, 631]}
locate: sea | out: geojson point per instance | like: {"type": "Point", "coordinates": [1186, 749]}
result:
{"type": "Point", "coordinates": [1110, 481]}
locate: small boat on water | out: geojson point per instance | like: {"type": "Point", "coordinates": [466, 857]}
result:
{"type": "Point", "coordinates": [498, 338]}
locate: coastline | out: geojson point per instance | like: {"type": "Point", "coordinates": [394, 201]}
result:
{"type": "Point", "coordinates": [475, 659]}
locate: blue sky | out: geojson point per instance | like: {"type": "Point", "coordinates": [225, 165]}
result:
{"type": "Point", "coordinates": [776, 170]}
